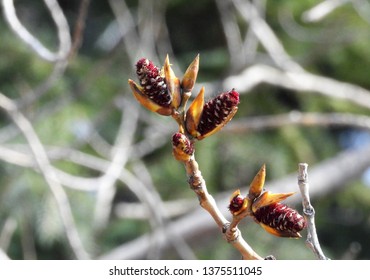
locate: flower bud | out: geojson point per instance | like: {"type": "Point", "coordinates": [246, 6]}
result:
{"type": "Point", "coordinates": [256, 187]}
{"type": "Point", "coordinates": [183, 149]}
{"type": "Point", "coordinates": [214, 115]}
{"type": "Point", "coordinates": [190, 76]}
{"type": "Point", "coordinates": [153, 83]}
{"type": "Point", "coordinates": [238, 203]}
{"type": "Point", "coordinates": [280, 220]}
{"type": "Point", "coordinates": [152, 93]}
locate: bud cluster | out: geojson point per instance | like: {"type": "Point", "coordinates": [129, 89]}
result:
{"type": "Point", "coordinates": [266, 209]}
{"type": "Point", "coordinates": [160, 91]}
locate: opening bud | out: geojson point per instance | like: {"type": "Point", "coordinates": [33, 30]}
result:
{"type": "Point", "coordinates": [238, 203]}
{"type": "Point", "coordinates": [183, 148]}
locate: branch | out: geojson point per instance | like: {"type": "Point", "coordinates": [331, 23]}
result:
{"type": "Point", "coordinates": [249, 124]}
{"type": "Point", "coordinates": [344, 167]}
{"type": "Point", "coordinates": [120, 154]}
{"type": "Point", "coordinates": [22, 32]}
{"type": "Point", "coordinates": [49, 175]}
{"type": "Point", "coordinates": [309, 213]}
{"type": "Point", "coordinates": [298, 81]}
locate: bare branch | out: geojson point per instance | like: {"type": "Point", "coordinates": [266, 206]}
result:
{"type": "Point", "coordinates": [249, 124]}
{"type": "Point", "coordinates": [6, 234]}
{"type": "Point", "coordinates": [120, 154]}
{"type": "Point", "coordinates": [48, 173]}
{"type": "Point", "coordinates": [299, 81]}
{"type": "Point", "coordinates": [266, 36]}
{"type": "Point", "coordinates": [208, 203]}
{"type": "Point", "coordinates": [22, 32]}
{"type": "Point", "coordinates": [321, 10]}
{"type": "Point", "coordinates": [309, 212]}
{"type": "Point", "coordinates": [343, 168]}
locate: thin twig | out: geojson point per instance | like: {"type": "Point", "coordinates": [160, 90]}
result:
{"type": "Point", "coordinates": [301, 82]}
{"type": "Point", "coordinates": [120, 154]}
{"type": "Point", "coordinates": [79, 27]}
{"type": "Point", "coordinates": [309, 212]}
{"type": "Point", "coordinates": [49, 175]}
{"type": "Point", "coordinates": [251, 124]}
{"type": "Point", "coordinates": [198, 185]}
{"type": "Point", "coordinates": [22, 32]}
{"type": "Point", "coordinates": [343, 167]}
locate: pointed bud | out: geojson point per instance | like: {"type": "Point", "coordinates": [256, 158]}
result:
{"type": "Point", "coordinates": [238, 203]}
{"type": "Point", "coordinates": [217, 113]}
{"type": "Point", "coordinates": [190, 76]}
{"type": "Point", "coordinates": [280, 220]}
{"type": "Point", "coordinates": [173, 84]}
{"type": "Point", "coordinates": [183, 149]}
{"type": "Point", "coordinates": [256, 187]}
{"type": "Point", "coordinates": [268, 198]}
{"type": "Point", "coordinates": [194, 113]}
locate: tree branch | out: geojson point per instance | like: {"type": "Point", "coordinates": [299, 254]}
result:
{"type": "Point", "coordinates": [309, 212]}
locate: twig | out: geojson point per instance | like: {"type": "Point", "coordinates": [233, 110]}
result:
{"type": "Point", "coordinates": [321, 10]}
{"type": "Point", "coordinates": [79, 27]}
{"type": "Point", "coordinates": [250, 124]}
{"type": "Point", "coordinates": [6, 234]}
{"type": "Point", "coordinates": [266, 36]}
{"type": "Point", "coordinates": [22, 32]}
{"type": "Point", "coordinates": [232, 235]}
{"type": "Point", "coordinates": [49, 175]}
{"type": "Point", "coordinates": [309, 212]}
{"type": "Point", "coordinates": [120, 154]}
{"type": "Point", "coordinates": [302, 81]}
{"type": "Point", "coordinates": [344, 167]}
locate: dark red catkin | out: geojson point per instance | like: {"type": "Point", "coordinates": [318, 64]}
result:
{"type": "Point", "coordinates": [154, 85]}
{"type": "Point", "coordinates": [217, 111]}
{"type": "Point", "coordinates": [286, 221]}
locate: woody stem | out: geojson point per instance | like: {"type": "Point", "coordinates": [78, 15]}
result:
{"type": "Point", "coordinates": [207, 202]}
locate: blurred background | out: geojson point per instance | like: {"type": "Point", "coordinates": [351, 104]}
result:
{"type": "Point", "coordinates": [85, 172]}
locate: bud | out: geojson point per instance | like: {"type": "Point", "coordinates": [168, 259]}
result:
{"type": "Point", "coordinates": [152, 92]}
{"type": "Point", "coordinates": [183, 149]}
{"type": "Point", "coordinates": [256, 187]}
{"type": "Point", "coordinates": [215, 114]}
{"type": "Point", "coordinates": [280, 220]}
{"type": "Point", "coordinates": [190, 76]}
{"type": "Point", "coordinates": [153, 83]}
{"type": "Point", "coordinates": [238, 203]}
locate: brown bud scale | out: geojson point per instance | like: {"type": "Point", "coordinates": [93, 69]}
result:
{"type": "Point", "coordinates": [216, 111]}
{"type": "Point", "coordinates": [154, 85]}
{"type": "Point", "coordinates": [286, 221]}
